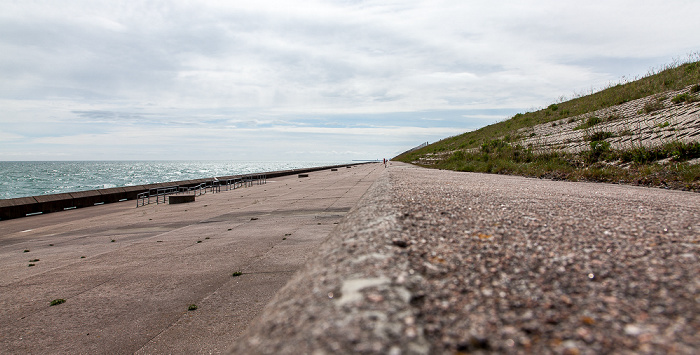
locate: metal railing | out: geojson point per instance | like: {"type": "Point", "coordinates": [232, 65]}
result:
{"type": "Point", "coordinates": [213, 186]}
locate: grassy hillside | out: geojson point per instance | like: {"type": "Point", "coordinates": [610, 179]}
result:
{"type": "Point", "coordinates": [662, 151]}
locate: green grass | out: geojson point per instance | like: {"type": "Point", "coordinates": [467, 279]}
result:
{"type": "Point", "coordinates": [674, 76]}
{"type": "Point", "coordinates": [192, 307]}
{"type": "Point", "coordinates": [594, 164]}
{"type": "Point", "coordinates": [590, 122]}
{"type": "Point", "coordinates": [599, 136]}
{"type": "Point", "coordinates": [496, 149]}
{"type": "Point", "coordinates": [682, 98]}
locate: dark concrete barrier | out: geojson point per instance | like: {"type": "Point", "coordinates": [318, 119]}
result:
{"type": "Point", "coordinates": [175, 199]}
{"type": "Point", "coordinates": [23, 206]}
{"type": "Point", "coordinates": [18, 207]}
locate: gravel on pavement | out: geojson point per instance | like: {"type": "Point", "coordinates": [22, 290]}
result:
{"type": "Point", "coordinates": [442, 262]}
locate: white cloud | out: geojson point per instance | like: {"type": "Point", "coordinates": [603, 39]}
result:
{"type": "Point", "coordinates": [82, 72]}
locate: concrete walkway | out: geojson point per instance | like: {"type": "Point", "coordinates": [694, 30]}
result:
{"type": "Point", "coordinates": [442, 262]}
{"type": "Point", "coordinates": [129, 274]}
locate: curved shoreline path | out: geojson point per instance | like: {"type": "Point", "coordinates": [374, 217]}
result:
{"type": "Point", "coordinates": [128, 274]}
{"type": "Point", "coordinates": [442, 262]}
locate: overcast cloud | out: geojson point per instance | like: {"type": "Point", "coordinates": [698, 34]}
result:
{"type": "Point", "coordinates": [305, 80]}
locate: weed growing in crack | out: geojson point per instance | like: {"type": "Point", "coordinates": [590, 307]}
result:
{"type": "Point", "coordinates": [57, 302]}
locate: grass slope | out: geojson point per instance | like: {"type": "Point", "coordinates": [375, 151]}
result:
{"type": "Point", "coordinates": [499, 148]}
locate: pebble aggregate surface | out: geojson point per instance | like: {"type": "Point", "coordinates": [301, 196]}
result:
{"type": "Point", "coordinates": [441, 262]}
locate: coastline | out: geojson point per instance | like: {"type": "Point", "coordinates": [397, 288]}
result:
{"type": "Point", "coordinates": [33, 205]}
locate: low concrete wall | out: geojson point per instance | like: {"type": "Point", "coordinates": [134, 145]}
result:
{"type": "Point", "coordinates": [23, 206]}
{"type": "Point", "coordinates": [175, 199]}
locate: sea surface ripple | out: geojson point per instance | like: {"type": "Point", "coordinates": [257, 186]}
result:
{"type": "Point", "coordinates": [33, 178]}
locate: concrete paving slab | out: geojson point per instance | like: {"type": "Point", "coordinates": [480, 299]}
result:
{"type": "Point", "coordinates": [143, 267]}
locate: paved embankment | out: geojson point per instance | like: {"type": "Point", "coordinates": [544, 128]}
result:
{"type": "Point", "coordinates": [434, 262]}
{"type": "Point", "coordinates": [129, 274]}
{"type": "Point", "coordinates": [33, 205]}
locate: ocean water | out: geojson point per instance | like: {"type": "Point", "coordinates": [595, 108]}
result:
{"type": "Point", "coordinates": [20, 179]}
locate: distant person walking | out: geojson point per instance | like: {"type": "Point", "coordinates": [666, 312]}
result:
{"type": "Point", "coordinates": [385, 162]}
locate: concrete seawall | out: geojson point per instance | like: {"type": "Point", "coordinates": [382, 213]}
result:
{"type": "Point", "coordinates": [23, 206]}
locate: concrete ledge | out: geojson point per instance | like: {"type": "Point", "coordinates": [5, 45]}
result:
{"type": "Point", "coordinates": [55, 202]}
{"type": "Point", "coordinates": [87, 198]}
{"type": "Point", "coordinates": [175, 199]}
{"type": "Point", "coordinates": [18, 207]}
{"type": "Point", "coordinates": [324, 308]}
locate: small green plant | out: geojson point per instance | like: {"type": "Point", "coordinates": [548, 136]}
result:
{"type": "Point", "coordinates": [553, 107]}
{"type": "Point", "coordinates": [652, 105]}
{"type": "Point", "coordinates": [206, 238]}
{"type": "Point", "coordinates": [695, 89]}
{"type": "Point", "coordinates": [598, 151]}
{"type": "Point", "coordinates": [57, 302]}
{"type": "Point", "coordinates": [600, 136]}
{"type": "Point", "coordinates": [199, 241]}
{"type": "Point", "coordinates": [113, 241]}
{"type": "Point", "coordinates": [237, 273]}
{"type": "Point", "coordinates": [686, 97]}
{"type": "Point", "coordinates": [50, 245]}
{"type": "Point", "coordinates": [625, 132]}
{"type": "Point", "coordinates": [33, 260]}
{"type": "Point", "coordinates": [613, 117]}
{"type": "Point", "coordinates": [30, 265]}
{"type": "Point", "coordinates": [590, 122]}
{"type": "Point", "coordinates": [663, 125]}
{"type": "Point", "coordinates": [26, 250]}
{"type": "Point", "coordinates": [192, 307]}
{"type": "Point", "coordinates": [82, 257]}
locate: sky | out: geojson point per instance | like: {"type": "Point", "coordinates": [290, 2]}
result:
{"type": "Point", "coordinates": [306, 80]}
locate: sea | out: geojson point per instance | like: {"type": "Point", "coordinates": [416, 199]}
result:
{"type": "Point", "coordinates": [33, 178]}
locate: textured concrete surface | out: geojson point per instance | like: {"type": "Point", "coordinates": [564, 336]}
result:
{"type": "Point", "coordinates": [129, 274]}
{"type": "Point", "coordinates": [441, 262]}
